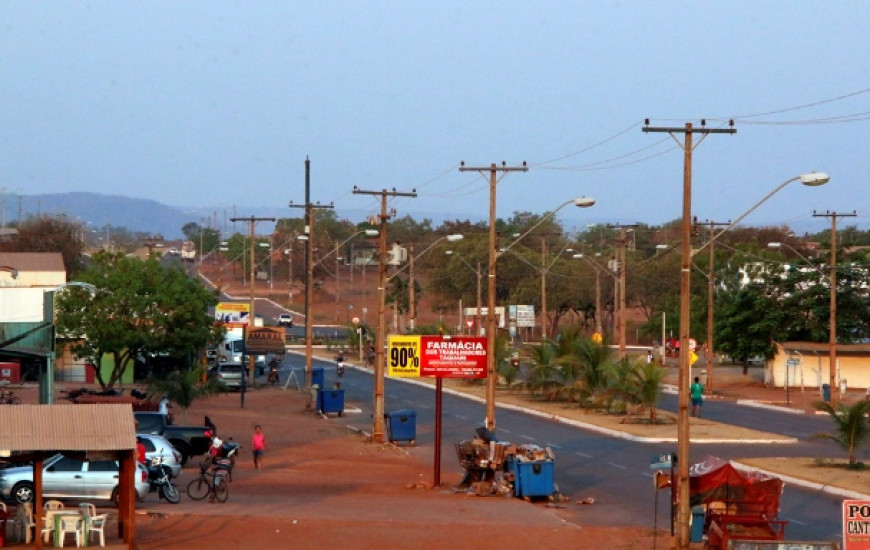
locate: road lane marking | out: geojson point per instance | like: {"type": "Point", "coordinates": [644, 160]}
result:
{"type": "Point", "coordinates": [620, 466]}
{"type": "Point", "coordinates": [584, 455]}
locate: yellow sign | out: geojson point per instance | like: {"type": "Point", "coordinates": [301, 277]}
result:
{"type": "Point", "coordinates": [403, 356]}
{"type": "Point", "coordinates": [693, 358]}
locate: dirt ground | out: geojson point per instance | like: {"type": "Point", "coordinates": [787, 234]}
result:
{"type": "Point", "coordinates": [323, 484]}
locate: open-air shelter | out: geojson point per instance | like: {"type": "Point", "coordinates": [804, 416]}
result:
{"type": "Point", "coordinates": [32, 433]}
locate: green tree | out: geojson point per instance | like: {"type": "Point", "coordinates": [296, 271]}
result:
{"type": "Point", "coordinates": [135, 306]}
{"type": "Point", "coordinates": [851, 429]}
{"type": "Point", "coordinates": [747, 322]}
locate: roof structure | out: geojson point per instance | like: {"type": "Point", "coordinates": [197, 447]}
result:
{"type": "Point", "coordinates": [67, 427]}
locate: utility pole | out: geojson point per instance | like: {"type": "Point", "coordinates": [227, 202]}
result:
{"type": "Point", "coordinates": [683, 458]}
{"type": "Point", "coordinates": [619, 284]}
{"type": "Point", "coordinates": [309, 270]}
{"type": "Point", "coordinates": [412, 312]}
{"type": "Point", "coordinates": [832, 332]}
{"type": "Point", "coordinates": [491, 375]}
{"type": "Point", "coordinates": [378, 416]}
{"type": "Point", "coordinates": [253, 221]}
{"type": "Point", "coordinates": [710, 354]}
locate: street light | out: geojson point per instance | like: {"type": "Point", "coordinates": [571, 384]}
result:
{"type": "Point", "coordinates": [811, 179]}
{"type": "Point", "coordinates": [491, 376]}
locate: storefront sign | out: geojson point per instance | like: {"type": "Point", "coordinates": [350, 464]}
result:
{"type": "Point", "coordinates": [403, 356]}
{"type": "Point", "coordinates": [856, 525]}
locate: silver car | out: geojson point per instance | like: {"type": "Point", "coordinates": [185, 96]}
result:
{"type": "Point", "coordinates": [158, 450]}
{"type": "Point", "coordinates": [64, 477]}
{"type": "Point", "coordinates": [230, 375]}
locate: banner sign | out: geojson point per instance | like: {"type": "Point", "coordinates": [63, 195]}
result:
{"type": "Point", "coordinates": [403, 356]}
{"type": "Point", "coordinates": [263, 340]}
{"type": "Point", "coordinates": [233, 314]}
{"type": "Point", "coordinates": [454, 357]}
{"type": "Point", "coordinates": [525, 316]}
{"type": "Point", "coordinates": [450, 357]}
{"type": "Point", "coordinates": [856, 524]}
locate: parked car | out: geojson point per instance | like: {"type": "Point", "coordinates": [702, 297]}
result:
{"type": "Point", "coordinates": [64, 477]}
{"type": "Point", "coordinates": [230, 375]}
{"type": "Point", "coordinates": [160, 449]}
{"type": "Point", "coordinates": [285, 319]}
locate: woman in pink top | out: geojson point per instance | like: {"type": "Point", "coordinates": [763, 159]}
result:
{"type": "Point", "coordinates": [258, 444]}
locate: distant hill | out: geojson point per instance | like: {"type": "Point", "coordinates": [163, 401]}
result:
{"type": "Point", "coordinates": [152, 217]}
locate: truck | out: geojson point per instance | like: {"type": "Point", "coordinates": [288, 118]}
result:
{"type": "Point", "coordinates": [189, 441]}
{"type": "Point", "coordinates": [188, 251]}
{"type": "Point", "coordinates": [232, 348]}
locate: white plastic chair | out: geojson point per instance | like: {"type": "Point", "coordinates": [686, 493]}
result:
{"type": "Point", "coordinates": [97, 524]}
{"type": "Point", "coordinates": [53, 505]}
{"type": "Point", "coordinates": [71, 525]}
{"type": "Point", "coordinates": [88, 509]}
{"type": "Point", "coordinates": [24, 522]}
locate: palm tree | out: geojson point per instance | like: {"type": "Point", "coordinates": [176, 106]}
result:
{"type": "Point", "coordinates": [647, 385]}
{"type": "Point", "coordinates": [851, 429]}
{"type": "Point", "coordinates": [185, 387]}
{"type": "Point", "coordinates": [546, 371]}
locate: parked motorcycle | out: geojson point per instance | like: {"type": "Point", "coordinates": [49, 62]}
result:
{"type": "Point", "coordinates": [223, 456]}
{"type": "Point", "coordinates": [273, 373]}
{"type": "Point", "coordinates": [160, 481]}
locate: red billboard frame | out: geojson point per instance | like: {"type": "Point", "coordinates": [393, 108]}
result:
{"type": "Point", "coordinates": [453, 356]}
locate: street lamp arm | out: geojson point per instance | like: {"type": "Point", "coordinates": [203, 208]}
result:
{"type": "Point", "coordinates": [452, 238]}
{"type": "Point", "coordinates": [580, 202]}
{"type": "Point", "coordinates": [811, 179]}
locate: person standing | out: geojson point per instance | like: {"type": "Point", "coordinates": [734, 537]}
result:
{"type": "Point", "coordinates": [258, 445]}
{"type": "Point", "coordinates": [696, 392]}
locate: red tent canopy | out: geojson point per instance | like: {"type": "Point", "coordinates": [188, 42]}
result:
{"type": "Point", "coordinates": [714, 479]}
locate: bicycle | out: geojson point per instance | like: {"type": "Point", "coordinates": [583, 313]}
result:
{"type": "Point", "coordinates": [209, 483]}
{"type": "Point", "coordinates": [8, 397]}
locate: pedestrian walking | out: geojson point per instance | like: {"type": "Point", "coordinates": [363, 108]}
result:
{"type": "Point", "coordinates": [696, 391]}
{"type": "Point", "coordinates": [258, 444]}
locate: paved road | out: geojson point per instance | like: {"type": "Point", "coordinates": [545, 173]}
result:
{"type": "Point", "coordinates": [615, 472]}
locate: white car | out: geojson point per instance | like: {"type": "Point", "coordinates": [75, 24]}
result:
{"type": "Point", "coordinates": [159, 450]}
{"type": "Point", "coordinates": [285, 319]}
{"type": "Point", "coordinates": [64, 477]}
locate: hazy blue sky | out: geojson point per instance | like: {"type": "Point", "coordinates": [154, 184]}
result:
{"type": "Point", "coordinates": [216, 104]}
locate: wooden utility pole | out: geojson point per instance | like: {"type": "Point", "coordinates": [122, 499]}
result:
{"type": "Point", "coordinates": [309, 271]}
{"type": "Point", "coordinates": [152, 242]}
{"type": "Point", "coordinates": [380, 340]}
{"type": "Point", "coordinates": [619, 284]}
{"type": "Point", "coordinates": [832, 332]}
{"type": "Point", "coordinates": [683, 458]}
{"type": "Point", "coordinates": [491, 374]}
{"type": "Point", "coordinates": [251, 316]}
{"type": "Point", "coordinates": [710, 353]}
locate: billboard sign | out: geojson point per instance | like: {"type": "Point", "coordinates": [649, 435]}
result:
{"type": "Point", "coordinates": [263, 340]}
{"type": "Point", "coordinates": [233, 314]}
{"type": "Point", "coordinates": [454, 357]}
{"type": "Point", "coordinates": [856, 524]}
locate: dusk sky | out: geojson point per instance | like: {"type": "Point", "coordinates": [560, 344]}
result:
{"type": "Point", "coordinates": [215, 105]}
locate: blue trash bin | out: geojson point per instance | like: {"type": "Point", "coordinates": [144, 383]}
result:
{"type": "Point", "coordinates": [532, 478]}
{"type": "Point", "coordinates": [331, 401]}
{"type": "Point", "coordinates": [402, 425]}
{"type": "Point", "coordinates": [826, 392]}
{"type": "Point", "coordinates": [698, 518]}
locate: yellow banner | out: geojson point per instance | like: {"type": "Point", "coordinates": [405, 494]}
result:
{"type": "Point", "coordinates": [403, 356]}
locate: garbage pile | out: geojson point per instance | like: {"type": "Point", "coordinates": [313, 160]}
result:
{"type": "Point", "coordinates": [495, 467]}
